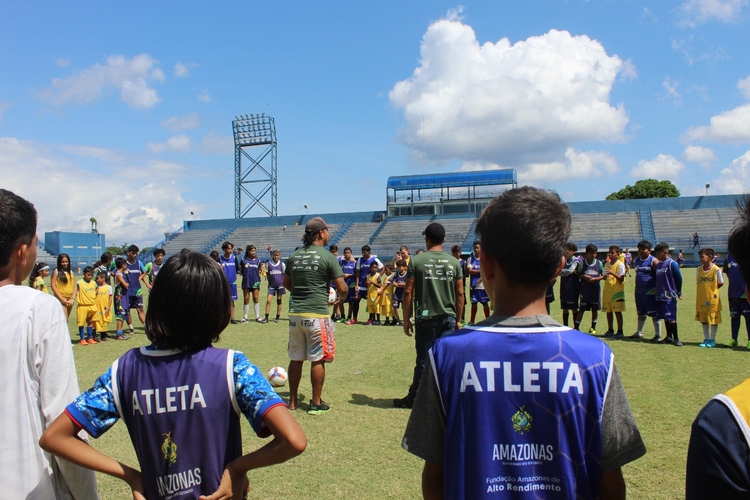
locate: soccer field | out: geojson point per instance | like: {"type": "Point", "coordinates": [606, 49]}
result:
{"type": "Point", "coordinates": [354, 450]}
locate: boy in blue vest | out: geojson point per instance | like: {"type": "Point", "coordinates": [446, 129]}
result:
{"type": "Point", "coordinates": [717, 461]}
{"type": "Point", "coordinates": [180, 398]}
{"type": "Point", "coordinates": [518, 395]}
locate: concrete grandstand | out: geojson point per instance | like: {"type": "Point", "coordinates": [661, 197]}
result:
{"type": "Point", "coordinates": [418, 200]}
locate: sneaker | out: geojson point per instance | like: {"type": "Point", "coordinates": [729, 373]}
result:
{"type": "Point", "coordinates": [748, 344]}
{"type": "Point", "coordinates": [608, 333]}
{"type": "Point", "coordinates": [619, 335]}
{"type": "Point", "coordinates": [233, 321]}
{"type": "Point", "coordinates": [401, 323]}
{"type": "Point", "coordinates": [656, 338]}
{"type": "Point", "coordinates": [369, 322]}
{"type": "Point", "coordinates": [316, 409]}
{"type": "Point", "coordinates": [592, 331]}
{"type": "Point", "coordinates": [351, 322]}
{"type": "Point", "coordinates": [243, 320]}
{"type": "Point", "coordinates": [677, 343]}
{"type": "Point", "coordinates": [104, 337]}
{"type": "Point", "coordinates": [132, 330]}
{"type": "Point", "coordinates": [83, 342]}
{"type": "Point", "coordinates": [376, 322]}
{"type": "Point", "coordinates": [463, 323]}
{"type": "Point", "coordinates": [387, 323]}
{"type": "Point", "coordinates": [636, 335]}
{"type": "Point", "coordinates": [704, 343]}
{"type": "Point", "coordinates": [92, 341]}
{"type": "Point", "coordinates": [276, 320]}
{"type": "Point", "coordinates": [123, 337]}
{"type": "Point", "coordinates": [470, 323]}
{"type": "Point", "coordinates": [669, 340]}
{"type": "Point", "coordinates": [258, 320]}
{"type": "Point", "coordinates": [403, 403]}
{"type": "Point", "coordinates": [711, 343]}
{"type": "Point", "coordinates": [732, 343]}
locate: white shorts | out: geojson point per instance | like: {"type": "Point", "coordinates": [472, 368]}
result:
{"type": "Point", "coordinates": [311, 339]}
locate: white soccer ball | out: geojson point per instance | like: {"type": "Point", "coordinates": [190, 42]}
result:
{"type": "Point", "coordinates": [331, 296]}
{"type": "Point", "coordinates": [277, 376]}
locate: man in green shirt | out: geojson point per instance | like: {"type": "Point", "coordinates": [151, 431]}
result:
{"type": "Point", "coordinates": [309, 270]}
{"type": "Point", "coordinates": [433, 281]}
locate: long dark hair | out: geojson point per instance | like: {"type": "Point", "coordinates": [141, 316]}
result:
{"type": "Point", "coordinates": [62, 274]}
{"type": "Point", "coordinates": [190, 304]}
{"type": "Point", "coordinates": [35, 273]}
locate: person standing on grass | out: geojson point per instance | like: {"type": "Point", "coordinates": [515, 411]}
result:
{"type": "Point", "coordinates": [230, 264]}
{"type": "Point", "coordinates": [709, 279]}
{"type": "Point", "coordinates": [37, 372]}
{"type": "Point", "coordinates": [518, 396]}
{"type": "Point", "coordinates": [476, 287]}
{"type": "Point", "coordinates": [645, 290]}
{"type": "Point", "coordinates": [309, 270]}
{"type": "Point", "coordinates": [276, 288]}
{"type": "Point", "coordinates": [717, 458]}
{"type": "Point", "coordinates": [591, 272]}
{"type": "Point", "coordinates": [570, 283]}
{"type": "Point", "coordinates": [133, 275]}
{"type": "Point", "coordinates": [434, 286]}
{"type": "Point", "coordinates": [250, 269]}
{"type": "Point", "coordinates": [738, 304]}
{"type": "Point", "coordinates": [668, 291]}
{"type": "Point", "coordinates": [361, 270]}
{"type": "Point", "coordinates": [613, 293]}
{"type": "Point", "coordinates": [348, 264]}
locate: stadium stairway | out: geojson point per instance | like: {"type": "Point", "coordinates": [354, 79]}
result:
{"type": "Point", "coordinates": [207, 247]}
{"type": "Point", "coordinates": [340, 234]}
{"type": "Point", "coordinates": [647, 224]}
{"type": "Point", "coordinates": [467, 246]}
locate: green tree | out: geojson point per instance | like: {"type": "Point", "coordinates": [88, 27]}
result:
{"type": "Point", "coordinates": [121, 250]}
{"type": "Point", "coordinates": [646, 188]}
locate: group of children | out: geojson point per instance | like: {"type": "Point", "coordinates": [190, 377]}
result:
{"type": "Point", "coordinates": [658, 287]}
{"type": "Point", "coordinates": [98, 301]}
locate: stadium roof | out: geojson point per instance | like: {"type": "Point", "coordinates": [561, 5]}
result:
{"type": "Point", "coordinates": [454, 179]}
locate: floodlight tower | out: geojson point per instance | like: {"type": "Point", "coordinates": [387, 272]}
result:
{"type": "Point", "coordinates": [255, 140]}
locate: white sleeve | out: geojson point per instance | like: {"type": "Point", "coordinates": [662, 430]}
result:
{"type": "Point", "coordinates": [719, 277]}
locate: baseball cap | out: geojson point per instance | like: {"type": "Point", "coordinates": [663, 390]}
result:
{"type": "Point", "coordinates": [435, 232]}
{"type": "Point", "coordinates": [315, 225]}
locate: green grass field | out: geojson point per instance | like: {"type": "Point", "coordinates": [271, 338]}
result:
{"type": "Point", "coordinates": [354, 449]}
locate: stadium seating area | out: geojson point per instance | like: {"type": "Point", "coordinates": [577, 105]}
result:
{"type": "Point", "coordinates": [283, 238]}
{"type": "Point", "coordinates": [396, 232]}
{"type": "Point", "coordinates": [356, 236]}
{"type": "Point", "coordinates": [193, 240]}
{"type": "Point", "coordinates": [621, 229]}
{"type": "Point", "coordinates": [676, 227]}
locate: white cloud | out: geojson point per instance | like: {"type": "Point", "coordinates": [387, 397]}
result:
{"type": "Point", "coordinates": [138, 211]}
{"type": "Point", "coordinates": [183, 70]}
{"type": "Point", "coordinates": [729, 127]}
{"type": "Point", "coordinates": [671, 87]}
{"type": "Point", "coordinates": [695, 12]}
{"type": "Point", "coordinates": [507, 104]}
{"type": "Point", "coordinates": [577, 165]}
{"type": "Point", "coordinates": [697, 154]}
{"type": "Point", "coordinates": [175, 144]}
{"type": "Point", "coordinates": [214, 144]}
{"type": "Point", "coordinates": [204, 96]}
{"type": "Point", "coordinates": [662, 167]}
{"type": "Point", "coordinates": [62, 62]}
{"type": "Point", "coordinates": [3, 107]}
{"type": "Point", "coordinates": [744, 86]}
{"type": "Point", "coordinates": [132, 77]}
{"type": "Point", "coordinates": [699, 50]}
{"type": "Point", "coordinates": [628, 71]}
{"type": "Point", "coordinates": [735, 178]}
{"type": "Point", "coordinates": [187, 122]}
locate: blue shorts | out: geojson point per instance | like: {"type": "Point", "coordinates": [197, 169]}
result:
{"type": "Point", "coordinates": [645, 304]}
{"type": "Point", "coordinates": [233, 289]}
{"type": "Point", "coordinates": [738, 307]}
{"type": "Point", "coordinates": [135, 302]}
{"type": "Point", "coordinates": [397, 301]}
{"type": "Point", "coordinates": [255, 285]}
{"type": "Point", "coordinates": [350, 296]}
{"type": "Point", "coordinates": [479, 295]}
{"type": "Point", "coordinates": [276, 291]}
{"type": "Point", "coordinates": [666, 310]}
{"type": "Point", "coordinates": [590, 306]}
{"type": "Point", "coordinates": [570, 305]}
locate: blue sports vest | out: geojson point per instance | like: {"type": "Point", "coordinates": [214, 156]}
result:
{"type": "Point", "coordinates": [251, 272]}
{"type": "Point", "coordinates": [666, 290]}
{"type": "Point", "coordinates": [398, 293]}
{"type": "Point", "coordinates": [347, 267]}
{"type": "Point", "coordinates": [523, 411]}
{"type": "Point", "coordinates": [591, 292]}
{"type": "Point", "coordinates": [473, 278]}
{"type": "Point", "coordinates": [182, 417]}
{"type": "Point", "coordinates": [645, 276]}
{"type": "Point", "coordinates": [275, 274]}
{"type": "Point", "coordinates": [133, 277]}
{"type": "Point", "coordinates": [229, 265]}
{"type": "Point", "coordinates": [364, 270]}
{"type": "Point", "coordinates": [736, 283]}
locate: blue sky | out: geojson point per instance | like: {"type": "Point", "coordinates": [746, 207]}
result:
{"type": "Point", "coordinates": [123, 112]}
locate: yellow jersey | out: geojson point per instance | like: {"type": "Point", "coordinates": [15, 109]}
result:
{"type": "Point", "coordinates": [86, 293]}
{"type": "Point", "coordinates": [613, 289]}
{"type": "Point", "coordinates": [66, 289]}
{"type": "Point", "coordinates": [39, 284]}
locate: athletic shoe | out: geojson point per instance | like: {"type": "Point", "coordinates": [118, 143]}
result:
{"type": "Point", "coordinates": [243, 320]}
{"type": "Point", "coordinates": [104, 337]}
{"type": "Point", "coordinates": [711, 343]}
{"type": "Point", "coordinates": [609, 333]}
{"type": "Point", "coordinates": [123, 337]}
{"type": "Point", "coordinates": [677, 343]}
{"type": "Point", "coordinates": [619, 335]}
{"type": "Point", "coordinates": [636, 335]}
{"type": "Point", "coordinates": [592, 331]}
{"type": "Point", "coordinates": [376, 322]}
{"type": "Point", "coordinates": [732, 343]}
{"type": "Point", "coordinates": [92, 341]}
{"type": "Point", "coordinates": [704, 343]}
{"type": "Point", "coordinates": [401, 323]}
{"type": "Point", "coordinates": [351, 322]}
{"type": "Point", "coordinates": [463, 323]}
{"type": "Point", "coordinates": [132, 329]}
{"type": "Point", "coordinates": [316, 409]}
{"type": "Point", "coordinates": [369, 322]}
{"type": "Point", "coordinates": [233, 321]}
{"type": "Point", "coordinates": [656, 338]}
{"type": "Point", "coordinates": [470, 323]}
{"type": "Point", "coordinates": [258, 320]}
{"type": "Point", "coordinates": [276, 320]}
{"type": "Point", "coordinates": [403, 403]}
{"type": "Point", "coordinates": [669, 340]}
{"type": "Point", "coordinates": [83, 342]}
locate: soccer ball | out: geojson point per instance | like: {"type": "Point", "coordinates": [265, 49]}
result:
{"type": "Point", "coordinates": [277, 376]}
{"type": "Point", "coordinates": [331, 296]}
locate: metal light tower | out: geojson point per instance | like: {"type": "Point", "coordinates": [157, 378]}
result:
{"type": "Point", "coordinates": [255, 140]}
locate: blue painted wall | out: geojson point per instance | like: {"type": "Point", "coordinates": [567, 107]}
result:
{"type": "Point", "coordinates": [84, 248]}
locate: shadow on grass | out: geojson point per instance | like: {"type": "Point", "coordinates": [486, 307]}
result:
{"type": "Point", "coordinates": [362, 400]}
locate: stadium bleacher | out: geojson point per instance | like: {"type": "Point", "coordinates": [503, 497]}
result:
{"type": "Point", "coordinates": [282, 238]}
{"type": "Point", "coordinates": [356, 236]}
{"type": "Point", "coordinates": [621, 229]}
{"type": "Point", "coordinates": [397, 232]}
{"type": "Point", "coordinates": [676, 227]}
{"type": "Point", "coordinates": [193, 240]}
